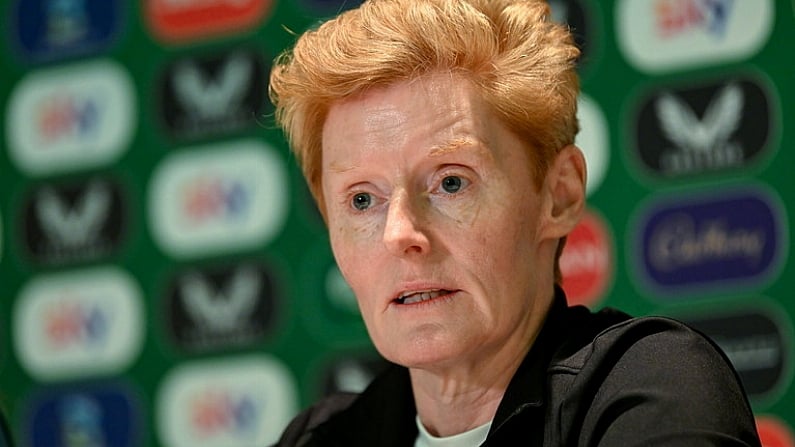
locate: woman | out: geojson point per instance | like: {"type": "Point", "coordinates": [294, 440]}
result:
{"type": "Point", "coordinates": [437, 139]}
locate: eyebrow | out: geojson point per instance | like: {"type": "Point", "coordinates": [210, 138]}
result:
{"type": "Point", "coordinates": [458, 144]}
{"type": "Point", "coordinates": [449, 147]}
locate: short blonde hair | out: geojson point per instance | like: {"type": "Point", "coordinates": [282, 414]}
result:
{"type": "Point", "coordinates": [521, 62]}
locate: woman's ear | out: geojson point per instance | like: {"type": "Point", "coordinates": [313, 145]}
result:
{"type": "Point", "coordinates": [564, 191]}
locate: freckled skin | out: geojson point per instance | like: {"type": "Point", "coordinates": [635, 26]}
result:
{"type": "Point", "coordinates": [487, 242]}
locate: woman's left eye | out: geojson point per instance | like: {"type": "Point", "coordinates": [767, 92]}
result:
{"type": "Point", "coordinates": [453, 184]}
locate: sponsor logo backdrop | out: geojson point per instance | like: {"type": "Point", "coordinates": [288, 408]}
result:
{"type": "Point", "coordinates": [165, 279]}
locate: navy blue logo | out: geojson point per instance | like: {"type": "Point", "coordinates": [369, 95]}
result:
{"type": "Point", "coordinates": [709, 128]}
{"type": "Point", "coordinates": [213, 94]}
{"type": "Point", "coordinates": [56, 29]}
{"type": "Point", "coordinates": [74, 222]}
{"type": "Point", "coordinates": [754, 344]}
{"type": "Point", "coordinates": [718, 241]}
{"type": "Point", "coordinates": [222, 306]}
{"type": "Point", "coordinates": [101, 416]}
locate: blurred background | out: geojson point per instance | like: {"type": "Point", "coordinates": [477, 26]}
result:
{"type": "Point", "coordinates": [165, 279]}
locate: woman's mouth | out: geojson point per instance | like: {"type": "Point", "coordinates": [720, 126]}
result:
{"type": "Point", "coordinates": [419, 297]}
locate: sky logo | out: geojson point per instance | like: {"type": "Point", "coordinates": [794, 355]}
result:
{"type": "Point", "coordinates": [727, 240]}
{"type": "Point", "coordinates": [218, 199]}
{"type": "Point", "coordinates": [72, 117]}
{"type": "Point", "coordinates": [210, 198]}
{"type": "Point", "coordinates": [664, 35]}
{"type": "Point", "coordinates": [216, 413]}
{"type": "Point", "coordinates": [69, 324]}
{"type": "Point", "coordinates": [86, 417]}
{"type": "Point", "coordinates": [680, 16]}
{"type": "Point", "coordinates": [80, 324]}
{"type": "Point", "coordinates": [237, 402]}
{"type": "Point", "coordinates": [61, 118]}
{"type": "Point", "coordinates": [48, 30]}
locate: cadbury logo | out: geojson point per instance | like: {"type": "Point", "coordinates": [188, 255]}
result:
{"type": "Point", "coordinates": [680, 242]}
{"type": "Point", "coordinates": [711, 241]}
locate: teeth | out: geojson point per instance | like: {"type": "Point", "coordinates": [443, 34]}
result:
{"type": "Point", "coordinates": [421, 296]}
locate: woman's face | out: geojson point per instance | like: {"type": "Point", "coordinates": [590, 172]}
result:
{"type": "Point", "coordinates": [435, 222]}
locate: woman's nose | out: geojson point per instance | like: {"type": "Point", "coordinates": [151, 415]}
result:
{"type": "Point", "coordinates": [404, 234]}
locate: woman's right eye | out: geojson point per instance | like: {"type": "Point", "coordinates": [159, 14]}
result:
{"type": "Point", "coordinates": [362, 201]}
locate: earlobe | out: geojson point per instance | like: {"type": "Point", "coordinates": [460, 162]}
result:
{"type": "Point", "coordinates": [564, 188]}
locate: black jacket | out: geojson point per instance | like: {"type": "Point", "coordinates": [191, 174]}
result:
{"type": "Point", "coordinates": [590, 379]}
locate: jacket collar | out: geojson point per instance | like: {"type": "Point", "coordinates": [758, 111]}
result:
{"type": "Point", "coordinates": [384, 414]}
{"type": "Point", "coordinates": [527, 388]}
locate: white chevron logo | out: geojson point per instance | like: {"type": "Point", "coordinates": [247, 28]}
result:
{"type": "Point", "coordinates": [682, 127]}
{"type": "Point", "coordinates": [213, 98]}
{"type": "Point", "coordinates": [221, 310]}
{"type": "Point", "coordinates": [78, 226]}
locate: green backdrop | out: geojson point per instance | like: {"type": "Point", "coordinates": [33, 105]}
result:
{"type": "Point", "coordinates": [166, 280]}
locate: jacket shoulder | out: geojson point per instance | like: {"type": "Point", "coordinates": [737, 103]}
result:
{"type": "Point", "coordinates": [648, 381]}
{"type": "Point", "coordinates": [615, 334]}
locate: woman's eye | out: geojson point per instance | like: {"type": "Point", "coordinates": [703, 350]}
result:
{"type": "Point", "coordinates": [361, 201]}
{"type": "Point", "coordinates": [452, 184]}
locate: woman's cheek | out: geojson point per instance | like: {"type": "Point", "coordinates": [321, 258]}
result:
{"type": "Point", "coordinates": [463, 211]}
{"type": "Point", "coordinates": [351, 231]}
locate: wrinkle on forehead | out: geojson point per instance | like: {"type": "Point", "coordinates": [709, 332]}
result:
{"type": "Point", "coordinates": [383, 122]}
{"type": "Point", "coordinates": [384, 118]}
{"type": "Point", "coordinates": [339, 168]}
